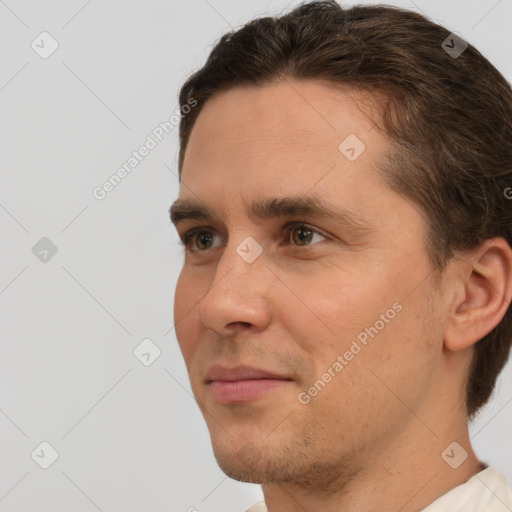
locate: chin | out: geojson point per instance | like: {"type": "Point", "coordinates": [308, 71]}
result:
{"type": "Point", "coordinates": [242, 474]}
{"type": "Point", "coordinates": [239, 470]}
{"type": "Point", "coordinates": [246, 464]}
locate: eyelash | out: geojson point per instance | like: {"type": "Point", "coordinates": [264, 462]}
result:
{"type": "Point", "coordinates": [188, 236]}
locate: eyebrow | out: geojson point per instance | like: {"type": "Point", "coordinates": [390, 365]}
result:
{"type": "Point", "coordinates": [273, 207]}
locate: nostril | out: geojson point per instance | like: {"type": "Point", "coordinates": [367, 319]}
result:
{"type": "Point", "coordinates": [242, 324]}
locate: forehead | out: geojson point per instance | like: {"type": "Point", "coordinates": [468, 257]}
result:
{"type": "Point", "coordinates": [288, 136]}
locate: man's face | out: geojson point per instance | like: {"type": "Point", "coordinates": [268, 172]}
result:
{"type": "Point", "coordinates": [295, 303]}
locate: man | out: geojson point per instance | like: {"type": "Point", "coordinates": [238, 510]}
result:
{"type": "Point", "coordinates": [344, 304]}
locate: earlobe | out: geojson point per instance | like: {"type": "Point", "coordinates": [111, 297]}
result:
{"type": "Point", "coordinates": [487, 292]}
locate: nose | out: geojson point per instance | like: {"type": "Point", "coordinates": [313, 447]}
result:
{"type": "Point", "coordinates": [238, 297]}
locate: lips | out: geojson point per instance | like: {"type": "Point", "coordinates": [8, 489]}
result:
{"type": "Point", "coordinates": [242, 383]}
{"type": "Point", "coordinates": [218, 372]}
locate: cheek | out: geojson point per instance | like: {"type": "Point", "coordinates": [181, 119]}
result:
{"type": "Point", "coordinates": [186, 297]}
{"type": "Point", "coordinates": [368, 317]}
{"type": "Point", "coordinates": [181, 298]}
{"type": "Point", "coordinates": [353, 383]}
{"type": "Point", "coordinates": [334, 305]}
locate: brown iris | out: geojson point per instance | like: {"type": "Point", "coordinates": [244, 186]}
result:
{"type": "Point", "coordinates": [305, 235]}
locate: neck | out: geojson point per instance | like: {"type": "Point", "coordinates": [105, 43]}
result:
{"type": "Point", "coordinates": [405, 473]}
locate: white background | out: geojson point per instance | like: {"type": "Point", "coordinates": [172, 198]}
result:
{"type": "Point", "coordinates": [129, 437]}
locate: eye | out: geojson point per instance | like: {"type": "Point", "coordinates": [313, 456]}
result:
{"type": "Point", "coordinates": [200, 239]}
{"type": "Point", "coordinates": [304, 232]}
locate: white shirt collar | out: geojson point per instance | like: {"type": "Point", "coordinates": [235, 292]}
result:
{"type": "Point", "coordinates": [487, 491]}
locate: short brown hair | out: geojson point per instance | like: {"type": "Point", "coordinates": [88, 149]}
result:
{"type": "Point", "coordinates": [450, 118]}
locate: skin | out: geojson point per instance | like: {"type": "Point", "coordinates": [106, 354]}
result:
{"type": "Point", "coordinates": [372, 438]}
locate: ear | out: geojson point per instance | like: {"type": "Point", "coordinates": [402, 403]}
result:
{"type": "Point", "coordinates": [484, 282]}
